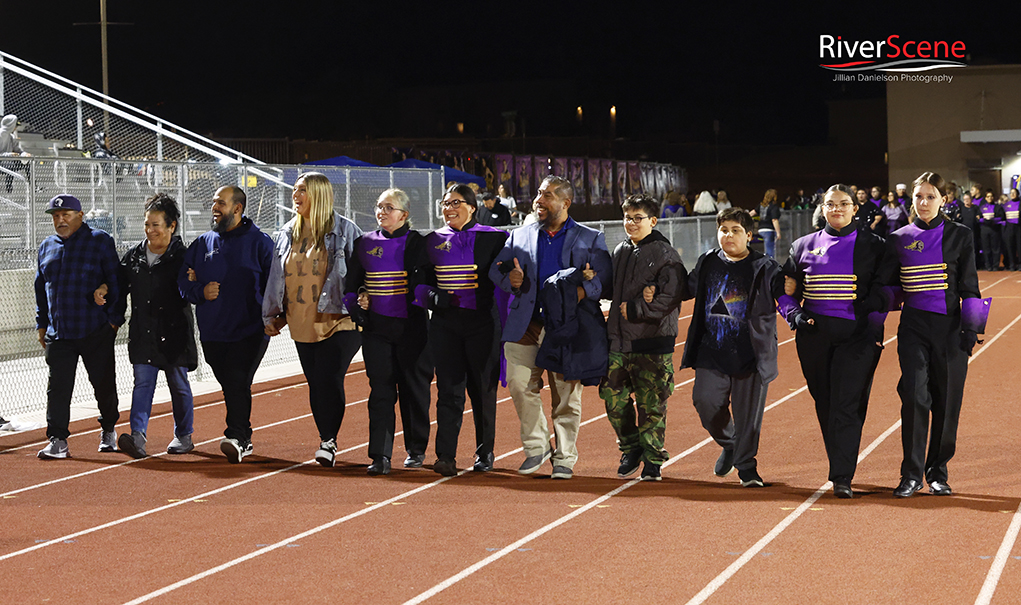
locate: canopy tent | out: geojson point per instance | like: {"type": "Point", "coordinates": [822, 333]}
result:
{"type": "Point", "coordinates": [340, 160]}
{"type": "Point", "coordinates": [449, 174]}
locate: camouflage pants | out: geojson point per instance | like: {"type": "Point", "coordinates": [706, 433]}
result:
{"type": "Point", "coordinates": [650, 379]}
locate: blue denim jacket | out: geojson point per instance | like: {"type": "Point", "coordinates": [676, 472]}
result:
{"type": "Point", "coordinates": [339, 245]}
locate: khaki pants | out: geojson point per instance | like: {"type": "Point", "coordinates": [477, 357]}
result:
{"type": "Point", "coordinates": [524, 381]}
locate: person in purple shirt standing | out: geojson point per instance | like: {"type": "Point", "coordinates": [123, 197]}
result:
{"type": "Point", "coordinates": [930, 264]}
{"type": "Point", "coordinates": [72, 265]}
{"type": "Point", "coordinates": [839, 340]}
{"type": "Point", "coordinates": [1011, 232]}
{"type": "Point", "coordinates": [991, 218]}
{"type": "Point", "coordinates": [464, 327]}
{"type": "Point", "coordinates": [896, 214]}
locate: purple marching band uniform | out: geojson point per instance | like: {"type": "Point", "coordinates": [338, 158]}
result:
{"type": "Point", "coordinates": [394, 337]}
{"type": "Point", "coordinates": [836, 272]}
{"type": "Point", "coordinates": [1011, 235]}
{"type": "Point", "coordinates": [933, 268]}
{"type": "Point", "coordinates": [990, 219]}
{"type": "Point", "coordinates": [464, 332]}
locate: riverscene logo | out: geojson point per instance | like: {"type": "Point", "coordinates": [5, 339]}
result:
{"type": "Point", "coordinates": [891, 59]}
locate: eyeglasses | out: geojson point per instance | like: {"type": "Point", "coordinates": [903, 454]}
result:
{"type": "Point", "coordinates": [634, 220]}
{"type": "Point", "coordinates": [841, 205]}
{"type": "Point", "coordinates": [385, 209]}
{"type": "Point", "coordinates": [451, 203]}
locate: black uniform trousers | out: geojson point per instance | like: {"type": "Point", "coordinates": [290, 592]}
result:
{"type": "Point", "coordinates": [399, 369]}
{"type": "Point", "coordinates": [465, 348]}
{"type": "Point", "coordinates": [991, 245]}
{"type": "Point", "coordinates": [325, 364]}
{"type": "Point", "coordinates": [96, 351]}
{"type": "Point", "coordinates": [933, 369]}
{"type": "Point", "coordinates": [839, 359]}
{"type": "Point", "coordinates": [1011, 246]}
{"type": "Point", "coordinates": [234, 365]}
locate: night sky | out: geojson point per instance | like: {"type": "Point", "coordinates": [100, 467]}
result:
{"type": "Point", "coordinates": [337, 70]}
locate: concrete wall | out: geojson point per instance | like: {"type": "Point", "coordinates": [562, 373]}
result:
{"type": "Point", "coordinates": [925, 121]}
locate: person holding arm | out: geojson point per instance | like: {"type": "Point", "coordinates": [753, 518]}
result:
{"type": "Point", "coordinates": [162, 332]}
{"type": "Point", "coordinates": [464, 327]}
{"type": "Point", "coordinates": [931, 265]}
{"type": "Point", "coordinates": [305, 292]}
{"type": "Point", "coordinates": [224, 275]}
{"type": "Point", "coordinates": [380, 290]}
{"type": "Point", "coordinates": [838, 341]}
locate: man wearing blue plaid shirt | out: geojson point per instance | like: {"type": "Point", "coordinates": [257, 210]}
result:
{"type": "Point", "coordinates": [72, 264]}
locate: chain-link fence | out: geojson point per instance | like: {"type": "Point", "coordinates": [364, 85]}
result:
{"type": "Point", "coordinates": [113, 194]}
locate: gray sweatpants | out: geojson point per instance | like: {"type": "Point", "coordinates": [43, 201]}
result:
{"type": "Point", "coordinates": [716, 396]}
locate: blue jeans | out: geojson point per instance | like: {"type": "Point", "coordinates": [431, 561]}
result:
{"type": "Point", "coordinates": [769, 241]}
{"type": "Point", "coordinates": [180, 397]}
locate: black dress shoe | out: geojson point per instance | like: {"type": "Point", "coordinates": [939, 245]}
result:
{"type": "Point", "coordinates": [940, 488]}
{"type": "Point", "coordinates": [483, 463]}
{"type": "Point", "coordinates": [379, 466]}
{"type": "Point", "coordinates": [907, 488]}
{"type": "Point", "coordinates": [842, 489]}
{"type": "Point", "coordinates": [447, 468]}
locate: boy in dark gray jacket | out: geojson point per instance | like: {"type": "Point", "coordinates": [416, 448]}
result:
{"type": "Point", "coordinates": [642, 336]}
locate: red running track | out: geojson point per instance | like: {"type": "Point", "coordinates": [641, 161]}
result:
{"type": "Point", "coordinates": [101, 528]}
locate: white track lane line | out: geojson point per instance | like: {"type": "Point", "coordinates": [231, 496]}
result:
{"type": "Point", "coordinates": [359, 513]}
{"type": "Point", "coordinates": [985, 595]}
{"type": "Point", "coordinates": [219, 490]}
{"type": "Point", "coordinates": [719, 580]}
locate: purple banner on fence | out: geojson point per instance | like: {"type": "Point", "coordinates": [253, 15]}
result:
{"type": "Point", "coordinates": [634, 178]}
{"type": "Point", "coordinates": [505, 171]}
{"type": "Point", "coordinates": [523, 171]}
{"type": "Point", "coordinates": [622, 189]}
{"type": "Point", "coordinates": [560, 167]}
{"type": "Point", "coordinates": [594, 183]}
{"type": "Point", "coordinates": [542, 170]}
{"type": "Point", "coordinates": [606, 176]}
{"type": "Point", "coordinates": [578, 178]}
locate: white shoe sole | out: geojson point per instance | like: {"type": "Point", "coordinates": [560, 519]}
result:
{"type": "Point", "coordinates": [233, 454]}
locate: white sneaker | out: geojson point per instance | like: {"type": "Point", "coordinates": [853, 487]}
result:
{"type": "Point", "coordinates": [180, 445]}
{"type": "Point", "coordinates": [56, 449]}
{"type": "Point", "coordinates": [235, 450]}
{"type": "Point", "coordinates": [327, 452]}
{"type": "Point", "coordinates": [108, 441]}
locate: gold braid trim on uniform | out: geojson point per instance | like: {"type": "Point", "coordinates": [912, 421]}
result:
{"type": "Point", "coordinates": [916, 278]}
{"type": "Point", "coordinates": [924, 288]}
{"type": "Point", "coordinates": [920, 268]}
{"type": "Point", "coordinates": [809, 296]}
{"type": "Point", "coordinates": [830, 276]}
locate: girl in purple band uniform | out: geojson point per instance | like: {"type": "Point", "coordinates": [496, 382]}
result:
{"type": "Point", "coordinates": [839, 347]}
{"type": "Point", "coordinates": [991, 218]}
{"type": "Point", "coordinates": [931, 262]}
{"type": "Point", "coordinates": [381, 275]}
{"type": "Point", "coordinates": [1011, 232]}
{"type": "Point", "coordinates": [464, 329]}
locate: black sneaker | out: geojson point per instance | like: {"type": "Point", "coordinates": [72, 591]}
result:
{"type": "Point", "coordinates": [629, 463]}
{"type": "Point", "coordinates": [414, 461]}
{"type": "Point", "coordinates": [651, 472]}
{"type": "Point", "coordinates": [379, 466]}
{"type": "Point", "coordinates": [724, 464]}
{"type": "Point", "coordinates": [750, 478]}
{"type": "Point", "coordinates": [484, 463]}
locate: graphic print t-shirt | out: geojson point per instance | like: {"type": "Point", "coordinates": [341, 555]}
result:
{"type": "Point", "coordinates": [726, 343]}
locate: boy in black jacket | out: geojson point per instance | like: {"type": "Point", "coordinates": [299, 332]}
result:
{"type": "Point", "coordinates": [732, 342]}
{"type": "Point", "coordinates": [642, 335]}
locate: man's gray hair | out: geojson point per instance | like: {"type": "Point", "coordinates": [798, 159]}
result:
{"type": "Point", "coordinates": [562, 187]}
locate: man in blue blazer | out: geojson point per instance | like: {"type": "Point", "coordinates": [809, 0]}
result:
{"type": "Point", "coordinates": [531, 255]}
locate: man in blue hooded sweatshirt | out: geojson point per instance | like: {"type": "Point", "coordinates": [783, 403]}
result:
{"type": "Point", "coordinates": [224, 275]}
